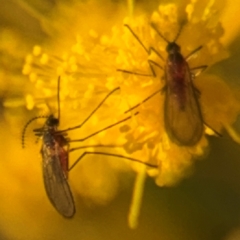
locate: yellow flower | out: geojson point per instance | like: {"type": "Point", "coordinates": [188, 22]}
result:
{"type": "Point", "coordinates": [199, 27]}
{"type": "Point", "coordinates": [86, 50]}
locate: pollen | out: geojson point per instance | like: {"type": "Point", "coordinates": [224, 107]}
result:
{"type": "Point", "coordinates": [37, 50]}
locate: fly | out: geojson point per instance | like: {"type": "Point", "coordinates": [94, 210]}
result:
{"type": "Point", "coordinates": [55, 157]}
{"type": "Point", "coordinates": [182, 113]}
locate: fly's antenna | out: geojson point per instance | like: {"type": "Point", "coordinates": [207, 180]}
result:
{"type": "Point", "coordinates": [26, 126]}
{"type": "Point", "coordinates": [155, 28]}
{"type": "Point", "coordinates": [98, 106]}
{"type": "Point", "coordinates": [58, 98]}
{"type": "Point", "coordinates": [178, 34]}
{"type": "Point", "coordinates": [160, 34]}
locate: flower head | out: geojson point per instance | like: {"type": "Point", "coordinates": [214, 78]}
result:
{"type": "Point", "coordinates": [88, 63]}
{"type": "Point", "coordinates": [198, 27]}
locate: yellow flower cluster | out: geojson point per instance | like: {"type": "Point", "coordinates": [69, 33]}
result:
{"type": "Point", "coordinates": [88, 63]}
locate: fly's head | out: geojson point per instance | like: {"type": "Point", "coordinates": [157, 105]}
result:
{"type": "Point", "coordinates": [173, 48]}
{"type": "Point", "coordinates": [52, 122]}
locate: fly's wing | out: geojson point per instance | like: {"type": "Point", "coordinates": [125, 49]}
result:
{"type": "Point", "coordinates": [56, 184]}
{"type": "Point", "coordinates": [183, 122]}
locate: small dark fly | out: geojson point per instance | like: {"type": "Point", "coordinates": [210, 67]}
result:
{"type": "Point", "coordinates": [55, 157]}
{"type": "Point", "coordinates": [182, 113]}
{"type": "Point", "coordinates": [54, 153]}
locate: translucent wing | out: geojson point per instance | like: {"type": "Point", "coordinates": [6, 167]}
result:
{"type": "Point", "coordinates": [55, 182]}
{"type": "Point", "coordinates": [183, 119]}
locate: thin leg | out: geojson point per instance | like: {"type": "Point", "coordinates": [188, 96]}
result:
{"type": "Point", "coordinates": [190, 55]}
{"type": "Point", "coordinates": [146, 99]}
{"type": "Point", "coordinates": [135, 73]}
{"type": "Point", "coordinates": [150, 62]}
{"type": "Point", "coordinates": [155, 64]}
{"type": "Point", "coordinates": [137, 38]}
{"type": "Point", "coordinates": [99, 105]}
{"type": "Point", "coordinates": [217, 133]}
{"type": "Point", "coordinates": [112, 155]}
{"type": "Point", "coordinates": [152, 49]}
{"type": "Point", "coordinates": [94, 146]}
{"type": "Point", "coordinates": [198, 70]}
{"type": "Point", "coordinates": [110, 126]}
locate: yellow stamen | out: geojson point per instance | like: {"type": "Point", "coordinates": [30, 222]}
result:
{"type": "Point", "coordinates": [135, 207]}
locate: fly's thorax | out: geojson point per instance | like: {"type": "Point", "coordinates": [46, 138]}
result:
{"type": "Point", "coordinates": [49, 138]}
{"type": "Point", "coordinates": [175, 70]}
{"type": "Point", "coordinates": [176, 62]}
{"type": "Point", "coordinates": [55, 149]}
{"type": "Point", "coordinates": [49, 130]}
{"type": "Point", "coordinates": [173, 48]}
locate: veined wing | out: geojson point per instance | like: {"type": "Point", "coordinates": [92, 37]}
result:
{"type": "Point", "coordinates": [55, 182]}
{"type": "Point", "coordinates": [183, 121]}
